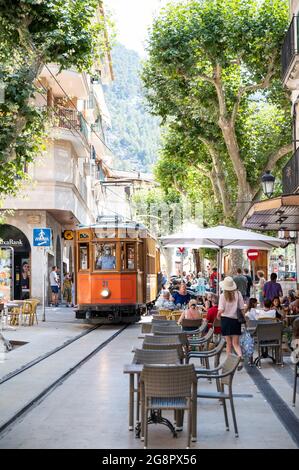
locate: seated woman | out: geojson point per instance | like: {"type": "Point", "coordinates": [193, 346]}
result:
{"type": "Point", "coordinates": [212, 315]}
{"type": "Point", "coordinates": [164, 301]}
{"type": "Point", "coordinates": [192, 313]}
{"type": "Point", "coordinates": [278, 308]}
{"type": "Point", "coordinates": [181, 297]}
{"type": "Point", "coordinates": [251, 312]}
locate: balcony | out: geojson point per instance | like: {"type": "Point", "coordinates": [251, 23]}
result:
{"type": "Point", "coordinates": [290, 56]}
{"type": "Point", "coordinates": [69, 124]}
{"type": "Point", "coordinates": [290, 175]}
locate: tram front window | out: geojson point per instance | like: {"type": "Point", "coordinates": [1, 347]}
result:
{"type": "Point", "coordinates": [105, 258]}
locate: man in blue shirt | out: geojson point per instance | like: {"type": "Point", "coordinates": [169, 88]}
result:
{"type": "Point", "coordinates": [181, 297]}
{"type": "Point", "coordinates": [272, 288]}
{"type": "Point", "coordinates": [107, 261]}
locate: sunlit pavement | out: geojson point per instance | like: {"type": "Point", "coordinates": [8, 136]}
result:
{"type": "Point", "coordinates": [90, 409]}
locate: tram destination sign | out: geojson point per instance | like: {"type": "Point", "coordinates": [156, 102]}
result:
{"type": "Point", "coordinates": [42, 237]}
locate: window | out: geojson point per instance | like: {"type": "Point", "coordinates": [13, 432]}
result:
{"type": "Point", "coordinates": [130, 256]}
{"type": "Point", "coordinates": [83, 256]}
{"type": "Point", "coordinates": [127, 256]}
{"type": "Point", "coordinates": [105, 256]}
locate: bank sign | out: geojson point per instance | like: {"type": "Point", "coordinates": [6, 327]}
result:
{"type": "Point", "coordinates": [42, 237]}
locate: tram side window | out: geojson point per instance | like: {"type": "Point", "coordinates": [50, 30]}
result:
{"type": "Point", "coordinates": [83, 256]}
{"type": "Point", "coordinates": [130, 256]}
{"type": "Point", "coordinates": [105, 256]}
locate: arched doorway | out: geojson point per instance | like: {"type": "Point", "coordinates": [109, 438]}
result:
{"type": "Point", "coordinates": [15, 251]}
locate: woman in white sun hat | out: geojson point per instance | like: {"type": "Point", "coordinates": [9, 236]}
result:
{"type": "Point", "coordinates": [230, 300]}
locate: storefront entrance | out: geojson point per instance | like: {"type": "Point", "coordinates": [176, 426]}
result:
{"type": "Point", "coordinates": [15, 280]}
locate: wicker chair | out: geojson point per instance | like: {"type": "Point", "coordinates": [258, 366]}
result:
{"type": "Point", "coordinates": [146, 328]}
{"type": "Point", "coordinates": [169, 388]}
{"type": "Point", "coordinates": [223, 375]}
{"type": "Point", "coordinates": [202, 343]}
{"type": "Point", "coordinates": [168, 329]}
{"type": "Point", "coordinates": [156, 356]}
{"type": "Point", "coordinates": [205, 355]}
{"type": "Point", "coordinates": [164, 346]}
{"type": "Point", "coordinates": [159, 317]}
{"type": "Point", "coordinates": [269, 335]}
{"type": "Point", "coordinates": [34, 303]}
{"type": "Point", "coordinates": [188, 325]}
{"type": "Point", "coordinates": [169, 339]}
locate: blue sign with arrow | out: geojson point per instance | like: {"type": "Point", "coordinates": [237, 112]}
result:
{"type": "Point", "coordinates": [42, 237]}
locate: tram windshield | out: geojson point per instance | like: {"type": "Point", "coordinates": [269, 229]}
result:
{"type": "Point", "coordinates": [105, 256]}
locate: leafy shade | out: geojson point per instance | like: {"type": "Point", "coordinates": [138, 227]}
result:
{"type": "Point", "coordinates": [213, 76]}
{"type": "Point", "coordinates": [33, 33]}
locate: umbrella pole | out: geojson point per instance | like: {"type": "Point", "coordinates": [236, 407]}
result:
{"type": "Point", "coordinates": [219, 270]}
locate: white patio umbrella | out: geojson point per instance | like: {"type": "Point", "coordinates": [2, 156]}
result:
{"type": "Point", "coordinates": [221, 237]}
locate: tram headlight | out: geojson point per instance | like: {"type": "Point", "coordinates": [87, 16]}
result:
{"type": "Point", "coordinates": [105, 293]}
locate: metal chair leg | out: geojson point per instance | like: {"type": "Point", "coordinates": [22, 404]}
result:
{"type": "Point", "coordinates": [234, 416]}
{"type": "Point", "coordinates": [225, 414]}
{"type": "Point", "coordinates": [295, 384]}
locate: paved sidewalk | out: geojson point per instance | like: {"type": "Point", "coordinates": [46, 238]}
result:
{"type": "Point", "coordinates": [90, 409]}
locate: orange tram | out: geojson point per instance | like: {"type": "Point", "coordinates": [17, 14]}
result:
{"type": "Point", "coordinates": [117, 271]}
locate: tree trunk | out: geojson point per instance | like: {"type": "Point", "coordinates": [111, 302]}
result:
{"type": "Point", "coordinates": [236, 258]}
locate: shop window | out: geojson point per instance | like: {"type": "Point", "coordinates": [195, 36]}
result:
{"type": "Point", "coordinates": [83, 256]}
{"type": "Point", "coordinates": [105, 256]}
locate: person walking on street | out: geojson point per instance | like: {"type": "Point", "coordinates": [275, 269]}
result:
{"type": "Point", "coordinates": [229, 302]}
{"type": "Point", "coordinates": [241, 282]}
{"type": "Point", "coordinates": [260, 287]}
{"type": "Point", "coordinates": [54, 283]}
{"type": "Point", "coordinates": [249, 283]}
{"type": "Point", "coordinates": [214, 278]}
{"type": "Point", "coordinates": [67, 289]}
{"type": "Point", "coordinates": [272, 288]}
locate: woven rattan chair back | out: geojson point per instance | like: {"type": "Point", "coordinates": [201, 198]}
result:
{"type": "Point", "coordinates": [271, 331]}
{"type": "Point", "coordinates": [156, 356]}
{"type": "Point", "coordinates": [177, 347]}
{"type": "Point", "coordinates": [169, 339]}
{"type": "Point", "coordinates": [168, 329]}
{"type": "Point", "coordinates": [168, 381]}
{"type": "Point", "coordinates": [229, 367]}
{"type": "Point", "coordinates": [146, 328]}
{"type": "Point", "coordinates": [191, 323]}
{"type": "Point", "coordinates": [159, 317]}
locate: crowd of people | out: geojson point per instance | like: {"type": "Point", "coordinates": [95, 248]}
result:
{"type": "Point", "coordinates": [196, 297]}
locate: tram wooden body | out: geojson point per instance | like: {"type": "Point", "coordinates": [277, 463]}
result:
{"type": "Point", "coordinates": [123, 288]}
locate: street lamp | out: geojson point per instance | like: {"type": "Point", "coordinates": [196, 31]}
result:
{"type": "Point", "coordinates": [268, 181]}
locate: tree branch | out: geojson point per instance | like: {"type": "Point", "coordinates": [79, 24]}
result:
{"type": "Point", "coordinates": [254, 87]}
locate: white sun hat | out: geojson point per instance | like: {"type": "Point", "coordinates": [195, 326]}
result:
{"type": "Point", "coordinates": [228, 284]}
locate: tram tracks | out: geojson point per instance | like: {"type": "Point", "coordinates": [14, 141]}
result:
{"type": "Point", "coordinates": [37, 399]}
{"type": "Point", "coordinates": [41, 358]}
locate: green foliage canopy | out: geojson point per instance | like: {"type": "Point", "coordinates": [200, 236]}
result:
{"type": "Point", "coordinates": [33, 33]}
{"type": "Point", "coordinates": [213, 76]}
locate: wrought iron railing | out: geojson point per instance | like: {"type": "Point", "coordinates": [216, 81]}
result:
{"type": "Point", "coordinates": [69, 118]}
{"type": "Point", "coordinates": [290, 175]}
{"type": "Point", "coordinates": [290, 46]}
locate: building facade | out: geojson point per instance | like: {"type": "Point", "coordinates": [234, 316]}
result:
{"type": "Point", "coordinates": [63, 190]}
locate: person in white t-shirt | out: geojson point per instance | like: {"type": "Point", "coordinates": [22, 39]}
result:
{"type": "Point", "coordinates": [267, 311]}
{"type": "Point", "coordinates": [54, 283]}
{"type": "Point", "coordinates": [251, 312]}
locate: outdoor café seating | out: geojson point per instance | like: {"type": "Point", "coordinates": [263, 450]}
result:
{"type": "Point", "coordinates": [269, 335]}
{"type": "Point", "coordinates": [224, 378]}
{"type": "Point", "coordinates": [169, 387]}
